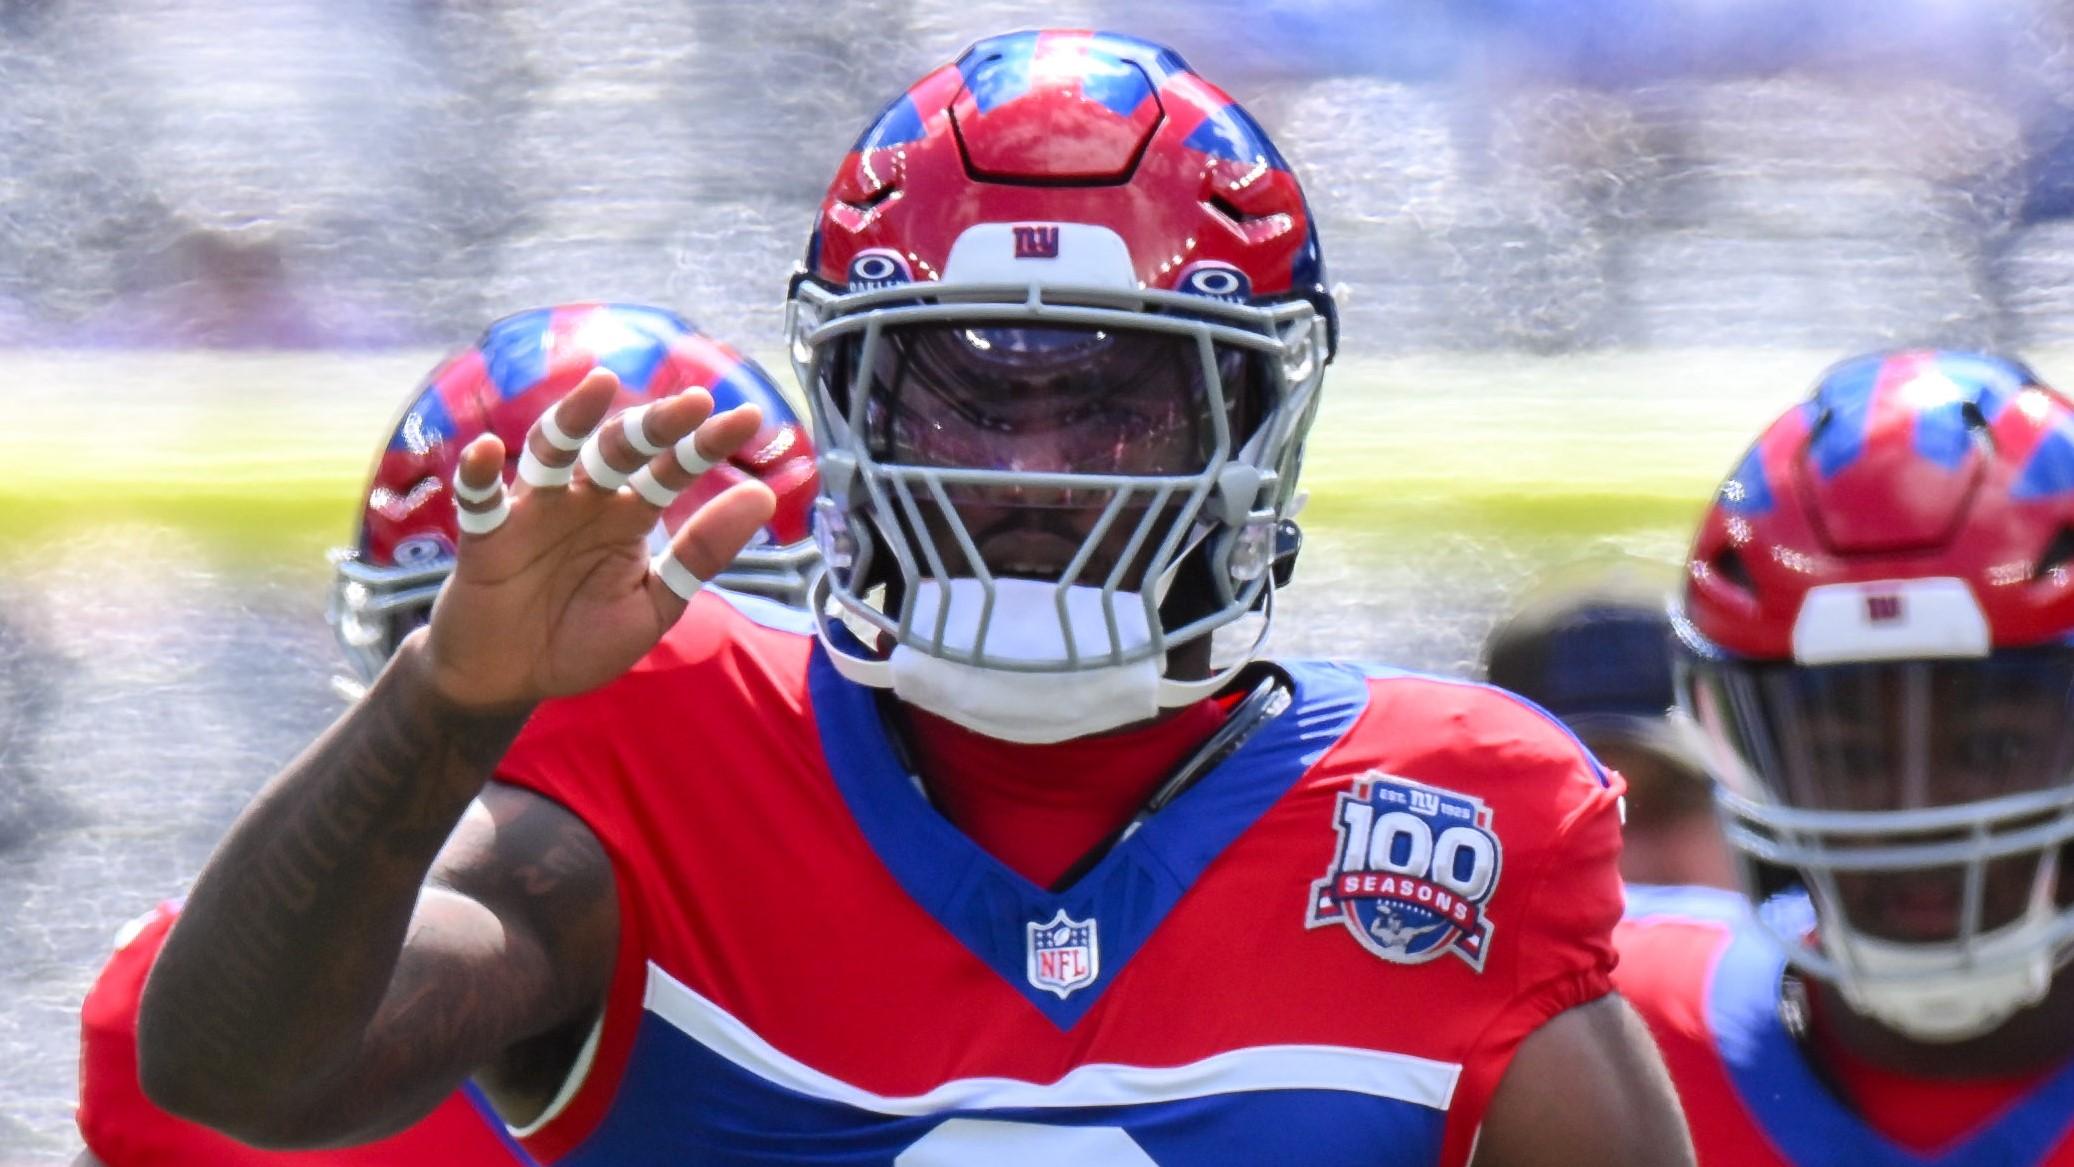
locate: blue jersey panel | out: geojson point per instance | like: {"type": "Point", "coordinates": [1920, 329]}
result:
{"type": "Point", "coordinates": [1796, 1109]}
{"type": "Point", "coordinates": [748, 1120]}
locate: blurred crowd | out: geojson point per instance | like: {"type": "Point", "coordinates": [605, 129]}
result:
{"type": "Point", "coordinates": [1542, 175]}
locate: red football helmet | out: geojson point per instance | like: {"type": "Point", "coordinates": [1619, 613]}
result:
{"type": "Point", "coordinates": [1875, 634]}
{"type": "Point", "coordinates": [1062, 273]}
{"type": "Point", "coordinates": [520, 366]}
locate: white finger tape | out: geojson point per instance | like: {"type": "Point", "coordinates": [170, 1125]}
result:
{"type": "Point", "coordinates": [645, 484]}
{"type": "Point", "coordinates": [602, 472]}
{"type": "Point", "coordinates": [534, 472]}
{"type": "Point", "coordinates": [483, 522]}
{"type": "Point", "coordinates": [554, 433]}
{"type": "Point", "coordinates": [688, 456]}
{"type": "Point", "coordinates": [635, 421]}
{"type": "Point", "coordinates": [467, 493]}
{"type": "Point", "coordinates": [676, 576]}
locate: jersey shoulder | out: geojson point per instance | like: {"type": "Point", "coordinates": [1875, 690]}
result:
{"type": "Point", "coordinates": [1670, 940]}
{"type": "Point", "coordinates": [729, 656]}
{"type": "Point", "coordinates": [1485, 744]}
{"type": "Point", "coordinates": [734, 633]}
{"type": "Point", "coordinates": [723, 696]}
{"type": "Point", "coordinates": [1481, 729]}
{"type": "Point", "coordinates": [1443, 786]}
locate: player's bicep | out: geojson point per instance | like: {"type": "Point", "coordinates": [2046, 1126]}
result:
{"type": "Point", "coordinates": [1588, 1086]}
{"type": "Point", "coordinates": [513, 937]}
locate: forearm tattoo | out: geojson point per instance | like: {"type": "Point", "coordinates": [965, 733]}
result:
{"type": "Point", "coordinates": [291, 937]}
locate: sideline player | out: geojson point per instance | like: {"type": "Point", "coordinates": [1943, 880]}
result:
{"type": "Point", "coordinates": [988, 858]}
{"type": "Point", "coordinates": [385, 587]}
{"type": "Point", "coordinates": [1595, 650]}
{"type": "Point", "coordinates": [1876, 632]}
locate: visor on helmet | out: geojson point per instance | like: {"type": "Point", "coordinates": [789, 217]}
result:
{"type": "Point", "coordinates": [1924, 804]}
{"type": "Point", "coordinates": [1065, 400]}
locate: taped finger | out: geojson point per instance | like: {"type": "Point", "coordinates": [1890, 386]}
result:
{"type": "Point", "coordinates": [534, 472]}
{"type": "Point", "coordinates": [635, 422]}
{"type": "Point", "coordinates": [688, 455]}
{"type": "Point", "coordinates": [599, 467]}
{"type": "Point", "coordinates": [648, 486]}
{"type": "Point", "coordinates": [675, 576]}
{"type": "Point", "coordinates": [560, 439]}
{"type": "Point", "coordinates": [556, 465]}
{"type": "Point", "coordinates": [483, 522]}
{"type": "Point", "coordinates": [470, 513]}
{"type": "Point", "coordinates": [468, 493]}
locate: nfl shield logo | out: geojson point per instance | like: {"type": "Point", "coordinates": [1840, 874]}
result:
{"type": "Point", "coordinates": [1063, 955]}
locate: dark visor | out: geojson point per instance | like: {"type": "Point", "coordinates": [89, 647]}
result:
{"type": "Point", "coordinates": [1069, 400]}
{"type": "Point", "coordinates": [1896, 735]}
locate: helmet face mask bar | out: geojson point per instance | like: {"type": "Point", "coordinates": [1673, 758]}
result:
{"type": "Point", "coordinates": [1925, 806]}
{"type": "Point", "coordinates": [1876, 644]}
{"type": "Point", "coordinates": [894, 512]}
{"type": "Point", "coordinates": [371, 608]}
{"type": "Point", "coordinates": [1062, 322]}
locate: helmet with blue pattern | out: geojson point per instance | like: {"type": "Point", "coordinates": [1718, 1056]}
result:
{"type": "Point", "coordinates": [521, 365]}
{"type": "Point", "coordinates": [1877, 643]}
{"type": "Point", "coordinates": [1062, 322]}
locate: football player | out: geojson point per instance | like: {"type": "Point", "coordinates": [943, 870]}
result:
{"type": "Point", "coordinates": [992, 856]}
{"type": "Point", "coordinates": [1875, 637]}
{"type": "Point", "coordinates": [1596, 652]}
{"type": "Point", "coordinates": [385, 587]}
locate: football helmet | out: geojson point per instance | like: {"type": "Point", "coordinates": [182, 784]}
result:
{"type": "Point", "coordinates": [1062, 323]}
{"type": "Point", "coordinates": [523, 364]}
{"type": "Point", "coordinates": [1876, 641]}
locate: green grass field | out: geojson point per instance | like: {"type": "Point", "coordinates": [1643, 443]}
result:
{"type": "Point", "coordinates": [259, 457]}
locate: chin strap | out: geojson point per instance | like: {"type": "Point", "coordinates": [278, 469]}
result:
{"type": "Point", "coordinates": [876, 672]}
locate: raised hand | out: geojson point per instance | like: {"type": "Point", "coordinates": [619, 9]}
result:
{"type": "Point", "coordinates": [553, 590]}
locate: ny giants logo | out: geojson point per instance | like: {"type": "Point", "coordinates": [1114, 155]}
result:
{"type": "Point", "coordinates": [1036, 241]}
{"type": "Point", "coordinates": [1412, 871]}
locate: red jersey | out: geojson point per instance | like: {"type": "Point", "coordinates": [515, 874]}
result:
{"type": "Point", "coordinates": [1702, 971]}
{"type": "Point", "coordinates": [1326, 950]}
{"type": "Point", "coordinates": [123, 1129]}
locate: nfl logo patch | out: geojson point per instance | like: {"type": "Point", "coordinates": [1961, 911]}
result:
{"type": "Point", "coordinates": [1411, 872]}
{"type": "Point", "coordinates": [1063, 954]}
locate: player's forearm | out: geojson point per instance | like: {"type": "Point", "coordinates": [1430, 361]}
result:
{"type": "Point", "coordinates": [290, 939]}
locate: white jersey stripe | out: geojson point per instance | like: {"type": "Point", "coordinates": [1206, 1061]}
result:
{"type": "Point", "coordinates": [1400, 1077]}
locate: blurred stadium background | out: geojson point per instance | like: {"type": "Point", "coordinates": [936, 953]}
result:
{"type": "Point", "coordinates": [1584, 246]}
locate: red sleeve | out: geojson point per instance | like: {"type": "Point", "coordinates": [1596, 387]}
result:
{"type": "Point", "coordinates": [124, 1129]}
{"type": "Point", "coordinates": [1560, 953]}
{"type": "Point", "coordinates": [569, 753]}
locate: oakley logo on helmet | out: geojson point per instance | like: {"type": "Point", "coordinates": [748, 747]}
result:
{"type": "Point", "coordinates": [1215, 280]}
{"type": "Point", "coordinates": [419, 550]}
{"type": "Point", "coordinates": [878, 268]}
{"type": "Point", "coordinates": [1411, 872]}
{"type": "Point", "coordinates": [1036, 242]}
